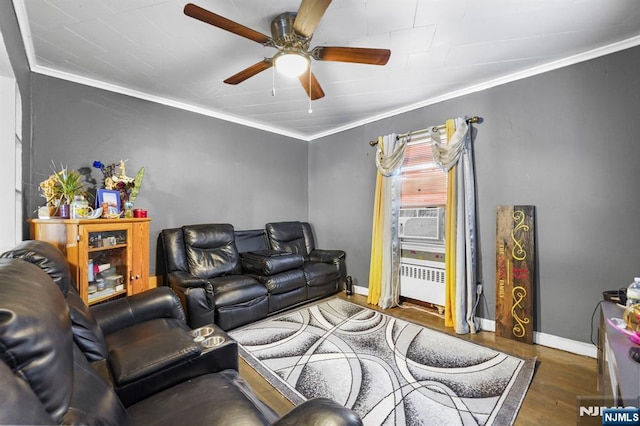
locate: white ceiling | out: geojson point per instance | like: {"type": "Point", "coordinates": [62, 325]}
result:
{"type": "Point", "coordinates": [440, 49]}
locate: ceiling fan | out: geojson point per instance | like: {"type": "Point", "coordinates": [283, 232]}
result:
{"type": "Point", "coordinates": [291, 33]}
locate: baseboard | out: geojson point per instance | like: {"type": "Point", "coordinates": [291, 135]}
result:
{"type": "Point", "coordinates": [543, 339]}
{"type": "Point", "coordinates": [550, 340]}
{"type": "Point", "coordinates": [361, 290]}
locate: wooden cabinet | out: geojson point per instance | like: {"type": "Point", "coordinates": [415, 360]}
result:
{"type": "Point", "coordinates": [108, 257]}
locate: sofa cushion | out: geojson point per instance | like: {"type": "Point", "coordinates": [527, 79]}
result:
{"type": "Point", "coordinates": [289, 237]}
{"type": "Point", "coordinates": [251, 240]}
{"type": "Point", "coordinates": [283, 282]}
{"type": "Point", "coordinates": [35, 333]}
{"type": "Point", "coordinates": [143, 330]}
{"type": "Point", "coordinates": [234, 289]}
{"type": "Point", "coordinates": [211, 250]}
{"type": "Point", "coordinates": [86, 332]}
{"type": "Point", "coordinates": [93, 402]}
{"type": "Point", "coordinates": [320, 273]}
{"type": "Point", "coordinates": [46, 256]}
{"type": "Point", "coordinates": [18, 404]}
{"type": "Point", "coordinates": [173, 249]}
{"type": "Point", "coordinates": [228, 399]}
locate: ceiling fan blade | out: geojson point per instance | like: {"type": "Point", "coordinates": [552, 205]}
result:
{"type": "Point", "coordinates": [311, 85]}
{"type": "Point", "coordinates": [309, 14]}
{"type": "Point", "coordinates": [226, 24]}
{"type": "Point", "coordinates": [250, 71]}
{"type": "Point", "coordinates": [359, 55]}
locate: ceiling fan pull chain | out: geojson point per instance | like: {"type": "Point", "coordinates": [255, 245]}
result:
{"type": "Point", "coordinates": [310, 89]}
{"type": "Point", "coordinates": [273, 81]}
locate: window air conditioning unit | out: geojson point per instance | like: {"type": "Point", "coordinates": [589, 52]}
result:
{"type": "Point", "coordinates": [422, 223]}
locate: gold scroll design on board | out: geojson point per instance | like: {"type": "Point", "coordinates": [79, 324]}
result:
{"type": "Point", "coordinates": [519, 293]}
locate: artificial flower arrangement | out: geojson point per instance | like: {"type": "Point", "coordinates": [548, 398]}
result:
{"type": "Point", "coordinates": [115, 178]}
{"type": "Point", "coordinates": [61, 187]}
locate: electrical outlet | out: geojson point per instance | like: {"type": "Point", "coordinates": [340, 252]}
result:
{"type": "Point", "coordinates": [479, 288]}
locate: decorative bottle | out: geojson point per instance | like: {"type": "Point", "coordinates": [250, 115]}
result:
{"type": "Point", "coordinates": [91, 275]}
{"type": "Point", "coordinates": [79, 207]}
{"type": "Point", "coordinates": [633, 292]}
{"type": "Point", "coordinates": [128, 209]}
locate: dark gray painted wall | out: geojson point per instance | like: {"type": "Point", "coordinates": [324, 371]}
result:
{"type": "Point", "coordinates": [197, 169]}
{"type": "Point", "coordinates": [565, 141]}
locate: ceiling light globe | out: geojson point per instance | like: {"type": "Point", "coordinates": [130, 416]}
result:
{"type": "Point", "coordinates": [292, 64]}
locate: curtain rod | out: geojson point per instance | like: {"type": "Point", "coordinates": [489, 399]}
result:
{"type": "Point", "coordinates": [474, 119]}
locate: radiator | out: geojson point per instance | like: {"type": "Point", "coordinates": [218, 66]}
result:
{"type": "Point", "coordinates": [424, 283]}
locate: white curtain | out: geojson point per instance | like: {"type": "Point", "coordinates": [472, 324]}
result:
{"type": "Point", "coordinates": [458, 153]}
{"type": "Point", "coordinates": [389, 158]}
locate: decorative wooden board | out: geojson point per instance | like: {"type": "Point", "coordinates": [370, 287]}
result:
{"type": "Point", "coordinates": [515, 272]}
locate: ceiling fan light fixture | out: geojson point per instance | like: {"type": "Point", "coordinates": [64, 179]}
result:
{"type": "Point", "coordinates": [291, 64]}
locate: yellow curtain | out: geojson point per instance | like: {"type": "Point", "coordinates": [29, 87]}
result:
{"type": "Point", "coordinates": [375, 269]}
{"type": "Point", "coordinates": [450, 242]}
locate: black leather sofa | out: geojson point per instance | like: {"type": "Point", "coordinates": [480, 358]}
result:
{"type": "Point", "coordinates": [47, 376]}
{"type": "Point", "coordinates": [232, 278]}
{"type": "Point", "coordinates": [140, 344]}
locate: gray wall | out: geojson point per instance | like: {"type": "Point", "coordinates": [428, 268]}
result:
{"type": "Point", "coordinates": [197, 169]}
{"type": "Point", "coordinates": [565, 141]}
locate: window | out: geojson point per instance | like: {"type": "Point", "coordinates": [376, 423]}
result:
{"type": "Point", "coordinates": [10, 158]}
{"type": "Point", "coordinates": [423, 182]}
{"type": "Point", "coordinates": [18, 165]}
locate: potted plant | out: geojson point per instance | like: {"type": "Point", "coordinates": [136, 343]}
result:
{"type": "Point", "coordinates": [60, 188]}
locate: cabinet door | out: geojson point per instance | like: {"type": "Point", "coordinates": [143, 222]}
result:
{"type": "Point", "coordinates": [140, 257]}
{"type": "Point", "coordinates": [105, 261]}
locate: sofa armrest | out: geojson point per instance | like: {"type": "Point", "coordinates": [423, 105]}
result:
{"type": "Point", "coordinates": [144, 357]}
{"type": "Point", "coordinates": [196, 296]}
{"type": "Point", "coordinates": [185, 279]}
{"type": "Point", "coordinates": [320, 411]}
{"type": "Point", "coordinates": [159, 302]}
{"type": "Point", "coordinates": [159, 362]}
{"type": "Point", "coordinates": [327, 256]}
{"type": "Point", "coordinates": [270, 262]}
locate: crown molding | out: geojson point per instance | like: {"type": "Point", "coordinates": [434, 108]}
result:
{"type": "Point", "coordinates": [165, 101]}
{"type": "Point", "coordinates": [550, 66]}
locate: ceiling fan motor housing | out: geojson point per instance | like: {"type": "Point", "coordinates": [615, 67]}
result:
{"type": "Point", "coordinates": [291, 35]}
{"type": "Point", "coordinates": [284, 35]}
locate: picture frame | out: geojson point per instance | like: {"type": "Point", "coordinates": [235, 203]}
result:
{"type": "Point", "coordinates": [112, 198]}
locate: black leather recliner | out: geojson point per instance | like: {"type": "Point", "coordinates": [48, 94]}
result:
{"type": "Point", "coordinates": [47, 379]}
{"type": "Point", "coordinates": [324, 270]}
{"type": "Point", "coordinates": [204, 270]}
{"type": "Point", "coordinates": [140, 344]}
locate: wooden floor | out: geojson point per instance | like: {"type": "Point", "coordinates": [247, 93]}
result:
{"type": "Point", "coordinates": [560, 377]}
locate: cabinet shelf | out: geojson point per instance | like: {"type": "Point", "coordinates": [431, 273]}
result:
{"type": "Point", "coordinates": [126, 256]}
{"type": "Point", "coordinates": [105, 294]}
{"type": "Point", "coordinates": [117, 246]}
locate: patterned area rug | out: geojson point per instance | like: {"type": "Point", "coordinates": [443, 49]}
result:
{"type": "Point", "coordinates": [390, 371]}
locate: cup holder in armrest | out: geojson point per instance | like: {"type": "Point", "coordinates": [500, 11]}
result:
{"type": "Point", "coordinates": [212, 342]}
{"type": "Point", "coordinates": [199, 334]}
{"type": "Point", "coordinates": [208, 337]}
